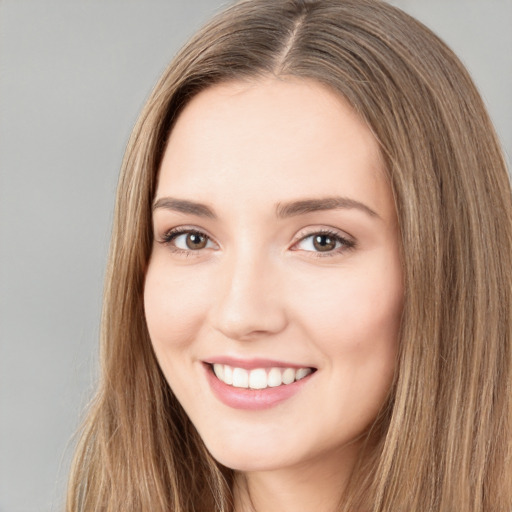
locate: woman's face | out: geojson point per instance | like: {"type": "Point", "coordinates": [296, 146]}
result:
{"type": "Point", "coordinates": [276, 266]}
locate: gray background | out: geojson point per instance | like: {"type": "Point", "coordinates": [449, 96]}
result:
{"type": "Point", "coordinates": [73, 77]}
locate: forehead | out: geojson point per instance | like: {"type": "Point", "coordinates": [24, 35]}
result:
{"type": "Point", "coordinates": [273, 140]}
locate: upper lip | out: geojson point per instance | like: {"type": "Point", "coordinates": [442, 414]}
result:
{"type": "Point", "coordinates": [252, 363]}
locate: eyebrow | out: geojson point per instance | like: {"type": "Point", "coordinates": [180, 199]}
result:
{"type": "Point", "coordinates": [304, 206]}
{"type": "Point", "coordinates": [184, 206]}
{"type": "Point", "coordinates": [283, 210]}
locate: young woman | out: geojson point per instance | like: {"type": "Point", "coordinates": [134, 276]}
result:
{"type": "Point", "coordinates": [308, 302]}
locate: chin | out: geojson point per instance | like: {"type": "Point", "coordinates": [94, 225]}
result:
{"type": "Point", "coordinates": [248, 456]}
{"type": "Point", "coordinates": [248, 462]}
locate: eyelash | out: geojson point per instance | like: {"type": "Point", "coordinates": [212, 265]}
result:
{"type": "Point", "coordinates": [172, 234]}
{"type": "Point", "coordinates": [345, 243]}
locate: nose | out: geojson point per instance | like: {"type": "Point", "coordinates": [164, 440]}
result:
{"type": "Point", "coordinates": [250, 301]}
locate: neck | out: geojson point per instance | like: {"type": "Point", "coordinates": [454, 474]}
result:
{"type": "Point", "coordinates": [313, 485]}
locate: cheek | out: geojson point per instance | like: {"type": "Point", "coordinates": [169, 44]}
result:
{"type": "Point", "coordinates": [353, 312]}
{"type": "Point", "coordinates": [175, 304]}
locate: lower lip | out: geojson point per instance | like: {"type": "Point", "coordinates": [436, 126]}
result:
{"type": "Point", "coordinates": [252, 399]}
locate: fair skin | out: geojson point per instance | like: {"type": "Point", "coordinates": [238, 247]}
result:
{"type": "Point", "coordinates": [286, 257]}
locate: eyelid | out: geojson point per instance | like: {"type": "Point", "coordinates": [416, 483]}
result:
{"type": "Point", "coordinates": [169, 235]}
{"type": "Point", "coordinates": [347, 241]}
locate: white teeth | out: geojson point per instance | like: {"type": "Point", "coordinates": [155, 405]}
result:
{"type": "Point", "coordinates": [274, 378]}
{"type": "Point", "coordinates": [288, 376]}
{"type": "Point", "coordinates": [302, 372]}
{"type": "Point", "coordinates": [218, 369]}
{"type": "Point", "coordinates": [228, 374]}
{"type": "Point", "coordinates": [240, 378]}
{"type": "Point", "coordinates": [259, 378]}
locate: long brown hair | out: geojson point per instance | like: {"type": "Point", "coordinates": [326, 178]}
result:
{"type": "Point", "coordinates": [445, 437]}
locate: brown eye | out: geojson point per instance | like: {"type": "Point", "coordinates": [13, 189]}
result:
{"type": "Point", "coordinates": [324, 243]}
{"type": "Point", "coordinates": [188, 240]}
{"type": "Point", "coordinates": [195, 241]}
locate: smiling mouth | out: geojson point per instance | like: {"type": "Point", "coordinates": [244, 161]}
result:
{"type": "Point", "coordinates": [259, 378]}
